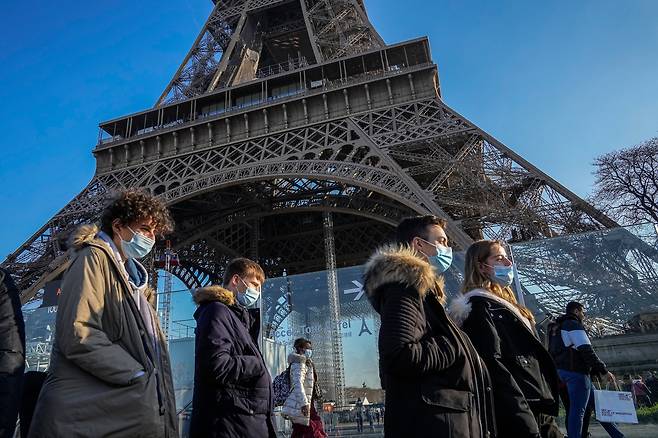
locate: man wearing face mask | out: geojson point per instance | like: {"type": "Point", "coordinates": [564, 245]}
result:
{"type": "Point", "coordinates": [434, 380]}
{"type": "Point", "coordinates": [232, 386]}
{"type": "Point", "coordinates": [109, 372]}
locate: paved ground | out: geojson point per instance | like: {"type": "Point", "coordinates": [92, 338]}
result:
{"type": "Point", "coordinates": [629, 431]}
{"type": "Point", "coordinates": [349, 430]}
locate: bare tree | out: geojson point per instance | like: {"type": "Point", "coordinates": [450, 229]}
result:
{"type": "Point", "coordinates": [627, 183]}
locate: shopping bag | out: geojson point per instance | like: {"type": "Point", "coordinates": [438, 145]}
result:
{"type": "Point", "coordinates": [614, 407]}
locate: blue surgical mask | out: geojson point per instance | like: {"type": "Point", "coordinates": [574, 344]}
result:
{"type": "Point", "coordinates": [138, 246]}
{"type": "Point", "coordinates": [443, 258]}
{"type": "Point", "coordinates": [503, 275]}
{"type": "Point", "coordinates": [308, 354]}
{"type": "Point", "coordinates": [249, 297]}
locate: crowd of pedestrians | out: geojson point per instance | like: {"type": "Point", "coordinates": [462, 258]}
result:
{"type": "Point", "coordinates": [471, 368]}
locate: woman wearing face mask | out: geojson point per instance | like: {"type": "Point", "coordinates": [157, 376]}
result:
{"type": "Point", "coordinates": [299, 407]}
{"type": "Point", "coordinates": [109, 372]}
{"type": "Point", "coordinates": [523, 375]}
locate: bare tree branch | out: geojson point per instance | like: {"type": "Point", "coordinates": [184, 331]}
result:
{"type": "Point", "coordinates": [626, 184]}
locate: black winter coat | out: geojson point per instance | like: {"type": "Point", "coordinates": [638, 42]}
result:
{"type": "Point", "coordinates": [232, 386]}
{"type": "Point", "coordinates": [523, 375]}
{"type": "Point", "coordinates": [12, 353]}
{"type": "Point", "coordinates": [434, 380]}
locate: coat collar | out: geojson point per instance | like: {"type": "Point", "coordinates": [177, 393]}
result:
{"type": "Point", "coordinates": [400, 264]}
{"type": "Point", "coordinates": [214, 293]}
{"type": "Point", "coordinates": [83, 235]}
{"type": "Point", "coordinates": [296, 358]}
{"type": "Point", "coordinates": [460, 308]}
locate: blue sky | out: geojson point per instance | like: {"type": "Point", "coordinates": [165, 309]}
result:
{"type": "Point", "coordinates": [560, 82]}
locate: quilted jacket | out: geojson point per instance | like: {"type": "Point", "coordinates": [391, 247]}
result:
{"type": "Point", "coordinates": [301, 388]}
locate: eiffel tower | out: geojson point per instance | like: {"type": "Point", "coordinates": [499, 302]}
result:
{"type": "Point", "coordinates": [292, 134]}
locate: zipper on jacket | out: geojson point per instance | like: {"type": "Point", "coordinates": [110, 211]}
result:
{"type": "Point", "coordinates": [142, 332]}
{"type": "Point", "coordinates": [145, 343]}
{"type": "Point", "coordinates": [484, 431]}
{"type": "Point", "coordinates": [157, 388]}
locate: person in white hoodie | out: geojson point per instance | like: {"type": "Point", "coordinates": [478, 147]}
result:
{"type": "Point", "coordinates": [299, 407]}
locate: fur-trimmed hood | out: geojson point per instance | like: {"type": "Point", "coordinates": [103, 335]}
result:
{"type": "Point", "coordinates": [400, 264]}
{"type": "Point", "coordinates": [460, 307]}
{"type": "Point", "coordinates": [82, 235]}
{"type": "Point", "coordinates": [296, 358]}
{"type": "Point", "coordinates": [214, 293]}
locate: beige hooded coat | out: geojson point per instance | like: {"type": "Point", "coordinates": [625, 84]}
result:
{"type": "Point", "coordinates": [94, 387]}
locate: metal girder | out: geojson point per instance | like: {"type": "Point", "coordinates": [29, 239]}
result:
{"type": "Point", "coordinates": [199, 70]}
{"type": "Point", "coordinates": [303, 251]}
{"type": "Point", "coordinates": [448, 169]}
{"type": "Point", "coordinates": [339, 28]}
{"type": "Point", "coordinates": [345, 29]}
{"type": "Point", "coordinates": [285, 196]}
{"type": "Point", "coordinates": [409, 154]}
{"type": "Point", "coordinates": [617, 274]}
{"type": "Point", "coordinates": [456, 234]}
{"type": "Point", "coordinates": [193, 276]}
{"type": "Point", "coordinates": [353, 151]}
{"type": "Point", "coordinates": [264, 195]}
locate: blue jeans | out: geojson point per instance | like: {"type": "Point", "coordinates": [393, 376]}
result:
{"type": "Point", "coordinates": [579, 387]}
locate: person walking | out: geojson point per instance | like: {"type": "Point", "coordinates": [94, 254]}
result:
{"type": "Point", "coordinates": [371, 418]}
{"type": "Point", "coordinates": [523, 375]}
{"type": "Point", "coordinates": [641, 392]}
{"type": "Point", "coordinates": [232, 387]}
{"type": "Point", "coordinates": [359, 415]}
{"type": "Point", "coordinates": [12, 354]}
{"type": "Point", "coordinates": [109, 370]}
{"type": "Point", "coordinates": [300, 407]}
{"type": "Point", "coordinates": [434, 380]}
{"type": "Point", "coordinates": [652, 384]}
{"type": "Point", "coordinates": [611, 428]}
{"type": "Point", "coordinates": [576, 361]}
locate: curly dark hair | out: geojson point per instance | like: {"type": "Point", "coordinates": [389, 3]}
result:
{"type": "Point", "coordinates": [132, 205]}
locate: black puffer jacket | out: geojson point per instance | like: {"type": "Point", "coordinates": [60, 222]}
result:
{"type": "Point", "coordinates": [435, 383]}
{"type": "Point", "coordinates": [523, 375]}
{"type": "Point", "coordinates": [232, 386]}
{"type": "Point", "coordinates": [12, 353]}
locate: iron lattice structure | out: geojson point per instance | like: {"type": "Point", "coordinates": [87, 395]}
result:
{"type": "Point", "coordinates": [287, 110]}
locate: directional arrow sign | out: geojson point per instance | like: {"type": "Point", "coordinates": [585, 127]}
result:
{"type": "Point", "coordinates": [357, 290]}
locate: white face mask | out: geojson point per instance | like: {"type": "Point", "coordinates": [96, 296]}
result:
{"type": "Point", "coordinates": [249, 297]}
{"type": "Point", "coordinates": [503, 275]}
{"type": "Point", "coordinates": [443, 258]}
{"type": "Point", "coordinates": [138, 246]}
{"type": "Point", "coordinates": [308, 353]}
